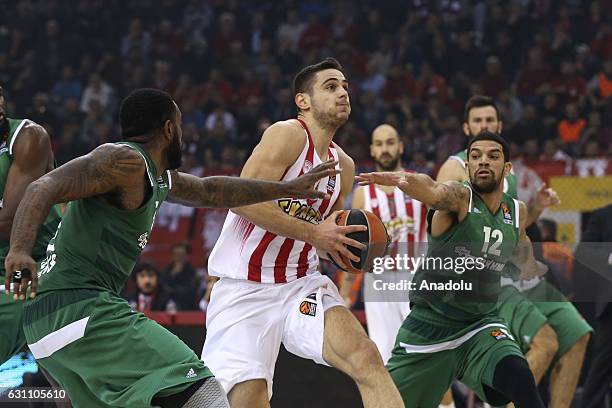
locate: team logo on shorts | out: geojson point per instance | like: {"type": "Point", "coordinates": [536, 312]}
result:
{"type": "Point", "coordinates": [308, 308]}
{"type": "Point", "coordinates": [498, 334]}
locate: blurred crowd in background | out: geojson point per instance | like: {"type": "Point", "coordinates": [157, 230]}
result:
{"type": "Point", "coordinates": [229, 65]}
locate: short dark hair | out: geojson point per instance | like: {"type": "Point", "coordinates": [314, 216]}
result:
{"type": "Point", "coordinates": [486, 135]}
{"type": "Point", "coordinates": [144, 111]}
{"type": "Point", "coordinates": [302, 82]}
{"type": "Point", "coordinates": [145, 266]}
{"type": "Point", "coordinates": [478, 101]}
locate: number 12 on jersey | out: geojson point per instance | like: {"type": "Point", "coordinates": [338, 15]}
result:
{"type": "Point", "coordinates": [496, 235]}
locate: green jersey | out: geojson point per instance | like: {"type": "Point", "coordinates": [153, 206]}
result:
{"type": "Point", "coordinates": [50, 224]}
{"type": "Point", "coordinates": [97, 245]}
{"type": "Point", "coordinates": [509, 181]}
{"type": "Point", "coordinates": [460, 280]}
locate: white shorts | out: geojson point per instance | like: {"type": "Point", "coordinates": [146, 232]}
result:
{"type": "Point", "coordinates": [384, 320]}
{"type": "Point", "coordinates": [246, 322]}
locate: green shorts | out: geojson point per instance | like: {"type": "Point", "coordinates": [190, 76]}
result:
{"type": "Point", "coordinates": [11, 321]}
{"type": "Point", "coordinates": [561, 315]}
{"type": "Point", "coordinates": [523, 317]}
{"type": "Point", "coordinates": [423, 373]}
{"type": "Point", "coordinates": [103, 353]}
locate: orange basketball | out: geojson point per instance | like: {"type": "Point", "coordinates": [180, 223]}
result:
{"type": "Point", "coordinates": [376, 239]}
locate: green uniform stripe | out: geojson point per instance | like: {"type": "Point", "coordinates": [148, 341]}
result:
{"type": "Point", "coordinates": [48, 303]}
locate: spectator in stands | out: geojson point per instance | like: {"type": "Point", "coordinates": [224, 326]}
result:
{"type": "Point", "coordinates": [180, 279]}
{"type": "Point", "coordinates": [136, 40]}
{"type": "Point", "coordinates": [225, 34]}
{"type": "Point", "coordinates": [600, 86]}
{"type": "Point", "coordinates": [290, 31]}
{"type": "Point", "coordinates": [552, 151]}
{"type": "Point", "coordinates": [569, 85]}
{"type": "Point", "coordinates": [534, 77]}
{"type": "Point", "coordinates": [494, 80]}
{"type": "Point", "coordinates": [66, 88]}
{"type": "Point", "coordinates": [530, 125]}
{"type": "Point", "coordinates": [150, 295]}
{"type": "Point", "coordinates": [98, 90]}
{"type": "Point", "coordinates": [570, 129]}
{"type": "Point", "coordinates": [41, 112]}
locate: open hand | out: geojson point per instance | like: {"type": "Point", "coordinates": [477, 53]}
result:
{"type": "Point", "coordinates": [546, 197]}
{"type": "Point", "coordinates": [383, 178]}
{"type": "Point", "coordinates": [304, 186]}
{"type": "Point", "coordinates": [331, 238]}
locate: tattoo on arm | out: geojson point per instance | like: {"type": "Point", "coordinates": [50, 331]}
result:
{"type": "Point", "coordinates": [222, 191]}
{"type": "Point", "coordinates": [449, 196]}
{"type": "Point", "coordinates": [104, 169]}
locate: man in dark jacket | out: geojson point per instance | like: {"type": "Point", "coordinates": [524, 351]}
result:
{"type": "Point", "coordinates": [593, 273]}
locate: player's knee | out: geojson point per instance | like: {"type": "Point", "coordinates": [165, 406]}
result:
{"type": "Point", "coordinates": [546, 341]}
{"type": "Point", "coordinates": [251, 393]}
{"type": "Point", "coordinates": [366, 359]}
{"type": "Point", "coordinates": [583, 342]}
{"type": "Point", "coordinates": [580, 346]}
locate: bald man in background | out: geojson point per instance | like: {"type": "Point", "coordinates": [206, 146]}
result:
{"type": "Point", "coordinates": [405, 220]}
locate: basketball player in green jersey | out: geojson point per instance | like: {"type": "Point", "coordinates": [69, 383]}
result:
{"type": "Point", "coordinates": [25, 155]}
{"type": "Point", "coordinates": [77, 326]}
{"type": "Point", "coordinates": [458, 333]}
{"type": "Point", "coordinates": [546, 325]}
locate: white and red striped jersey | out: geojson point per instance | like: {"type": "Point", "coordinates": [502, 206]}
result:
{"type": "Point", "coordinates": [246, 251]}
{"type": "Point", "coordinates": [404, 217]}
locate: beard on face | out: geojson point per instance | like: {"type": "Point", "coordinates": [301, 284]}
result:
{"type": "Point", "coordinates": [472, 134]}
{"type": "Point", "coordinates": [485, 186]}
{"type": "Point", "coordinates": [326, 119]}
{"type": "Point", "coordinates": [174, 155]}
{"type": "Point", "coordinates": [389, 165]}
{"type": "Point", "coordinates": [4, 127]}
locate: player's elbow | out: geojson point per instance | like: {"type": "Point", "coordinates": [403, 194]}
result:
{"type": "Point", "coordinates": [42, 192]}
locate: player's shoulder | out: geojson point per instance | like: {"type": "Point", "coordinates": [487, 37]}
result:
{"type": "Point", "coordinates": [286, 130]}
{"type": "Point", "coordinates": [113, 154]}
{"type": "Point", "coordinates": [282, 142]}
{"type": "Point", "coordinates": [33, 128]}
{"type": "Point", "coordinates": [33, 132]}
{"type": "Point", "coordinates": [452, 169]}
{"type": "Point", "coordinates": [33, 140]}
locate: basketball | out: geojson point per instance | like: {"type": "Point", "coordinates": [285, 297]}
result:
{"type": "Point", "coordinates": [375, 237]}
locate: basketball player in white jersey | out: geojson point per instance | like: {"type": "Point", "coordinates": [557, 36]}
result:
{"type": "Point", "coordinates": [270, 290]}
{"type": "Point", "coordinates": [405, 220]}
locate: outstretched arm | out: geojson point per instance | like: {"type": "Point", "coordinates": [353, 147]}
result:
{"type": "Point", "coordinates": [228, 192]}
{"type": "Point", "coordinates": [450, 196]}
